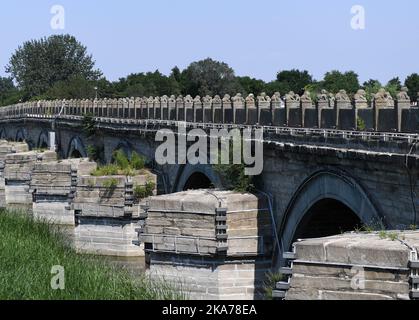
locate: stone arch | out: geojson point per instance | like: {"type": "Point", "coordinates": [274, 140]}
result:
{"type": "Point", "coordinates": [76, 149]}
{"type": "Point", "coordinates": [21, 135]}
{"type": "Point", "coordinates": [327, 185]}
{"type": "Point", "coordinates": [188, 171]}
{"type": "Point", "coordinates": [43, 140]}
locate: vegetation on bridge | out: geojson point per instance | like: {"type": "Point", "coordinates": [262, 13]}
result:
{"type": "Point", "coordinates": [122, 165]}
{"type": "Point", "coordinates": [30, 249]}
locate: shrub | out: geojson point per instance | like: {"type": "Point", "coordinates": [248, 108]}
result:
{"type": "Point", "coordinates": [360, 124]}
{"type": "Point", "coordinates": [233, 176]}
{"type": "Point", "coordinates": [93, 153]}
{"type": "Point", "coordinates": [142, 192]}
{"type": "Point", "coordinates": [89, 125]}
{"type": "Point", "coordinates": [121, 160]}
{"type": "Point", "coordinates": [121, 165]}
{"type": "Point", "coordinates": [108, 170]}
{"type": "Point", "coordinates": [137, 162]}
{"type": "Point", "coordinates": [110, 183]}
{"type": "Point", "coordinates": [270, 282]}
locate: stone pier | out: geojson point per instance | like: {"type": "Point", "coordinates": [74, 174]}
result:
{"type": "Point", "coordinates": [215, 244]}
{"type": "Point", "coordinates": [108, 215]}
{"type": "Point", "coordinates": [18, 174]}
{"type": "Point", "coordinates": [355, 266]}
{"type": "Point", "coordinates": [6, 148]}
{"type": "Point", "coordinates": [53, 186]}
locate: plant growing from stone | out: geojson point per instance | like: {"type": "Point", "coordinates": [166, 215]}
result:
{"type": "Point", "coordinates": [110, 184]}
{"type": "Point", "coordinates": [142, 192]}
{"type": "Point", "coordinates": [121, 165]}
{"type": "Point", "coordinates": [89, 125]}
{"type": "Point", "coordinates": [233, 176]}
{"type": "Point", "coordinates": [360, 123]}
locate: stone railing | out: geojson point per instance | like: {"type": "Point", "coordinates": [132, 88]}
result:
{"type": "Point", "coordinates": [327, 111]}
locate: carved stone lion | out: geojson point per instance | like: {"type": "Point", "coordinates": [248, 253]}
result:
{"type": "Point", "coordinates": [323, 96]}
{"type": "Point", "coordinates": [306, 97]}
{"type": "Point", "coordinates": [360, 96]}
{"type": "Point", "coordinates": [342, 96]}
{"type": "Point", "coordinates": [291, 96]}
{"type": "Point", "coordinates": [276, 97]}
{"type": "Point", "coordinates": [403, 94]}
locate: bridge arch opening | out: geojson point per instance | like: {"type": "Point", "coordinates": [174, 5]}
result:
{"type": "Point", "coordinates": [75, 154]}
{"type": "Point", "coordinates": [326, 203]}
{"type": "Point", "coordinates": [76, 149]}
{"type": "Point", "coordinates": [196, 181]}
{"type": "Point", "coordinates": [327, 217]}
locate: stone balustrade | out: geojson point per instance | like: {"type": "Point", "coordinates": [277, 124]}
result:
{"type": "Point", "coordinates": [384, 113]}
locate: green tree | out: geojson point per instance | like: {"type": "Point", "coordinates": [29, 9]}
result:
{"type": "Point", "coordinates": [39, 64]}
{"type": "Point", "coordinates": [147, 84]}
{"type": "Point", "coordinates": [251, 85]}
{"type": "Point", "coordinates": [394, 86]}
{"type": "Point", "coordinates": [74, 88]}
{"type": "Point", "coordinates": [209, 77]}
{"type": "Point", "coordinates": [412, 82]}
{"type": "Point", "coordinates": [293, 80]}
{"type": "Point", "coordinates": [371, 87]}
{"type": "Point", "coordinates": [336, 80]}
{"type": "Point", "coordinates": [9, 94]}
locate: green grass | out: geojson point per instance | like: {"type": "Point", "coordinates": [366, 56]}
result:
{"type": "Point", "coordinates": [122, 166]}
{"type": "Point", "coordinates": [29, 250]}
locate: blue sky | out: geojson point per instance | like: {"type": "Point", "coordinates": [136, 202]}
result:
{"type": "Point", "coordinates": [257, 38]}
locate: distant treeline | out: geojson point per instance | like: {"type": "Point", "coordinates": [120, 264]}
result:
{"type": "Point", "coordinates": [59, 67]}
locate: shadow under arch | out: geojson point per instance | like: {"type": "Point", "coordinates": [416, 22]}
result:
{"type": "Point", "coordinates": [194, 176]}
{"type": "Point", "coordinates": [76, 149]}
{"type": "Point", "coordinates": [3, 134]}
{"type": "Point", "coordinates": [333, 186]}
{"type": "Point", "coordinates": [43, 140]}
{"type": "Point", "coordinates": [21, 135]}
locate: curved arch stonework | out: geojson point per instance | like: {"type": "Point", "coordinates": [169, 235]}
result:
{"type": "Point", "coordinates": [327, 185]}
{"type": "Point", "coordinates": [76, 144]}
{"type": "Point", "coordinates": [186, 171]}
{"type": "Point", "coordinates": [43, 140]}
{"type": "Point", "coordinates": [21, 135]}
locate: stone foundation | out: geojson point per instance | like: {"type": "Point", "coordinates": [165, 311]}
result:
{"type": "Point", "coordinates": [5, 149]}
{"type": "Point", "coordinates": [53, 186]}
{"type": "Point", "coordinates": [18, 175]}
{"type": "Point", "coordinates": [108, 237]}
{"type": "Point", "coordinates": [356, 267]}
{"type": "Point", "coordinates": [215, 244]}
{"type": "Point", "coordinates": [212, 278]}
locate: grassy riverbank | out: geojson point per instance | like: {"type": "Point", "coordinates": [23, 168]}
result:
{"type": "Point", "coordinates": [29, 250]}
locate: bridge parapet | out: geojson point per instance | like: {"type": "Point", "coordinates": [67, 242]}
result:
{"type": "Point", "coordinates": [328, 111]}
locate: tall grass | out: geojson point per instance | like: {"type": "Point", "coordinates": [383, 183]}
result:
{"type": "Point", "coordinates": [29, 250]}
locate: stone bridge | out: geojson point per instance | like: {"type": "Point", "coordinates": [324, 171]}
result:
{"type": "Point", "coordinates": [329, 165]}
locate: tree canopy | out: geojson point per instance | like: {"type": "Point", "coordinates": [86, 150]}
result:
{"type": "Point", "coordinates": [412, 83]}
{"type": "Point", "coordinates": [59, 67]}
{"type": "Point", "coordinates": [38, 65]}
{"type": "Point", "coordinates": [209, 77]}
{"type": "Point", "coordinates": [336, 80]}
